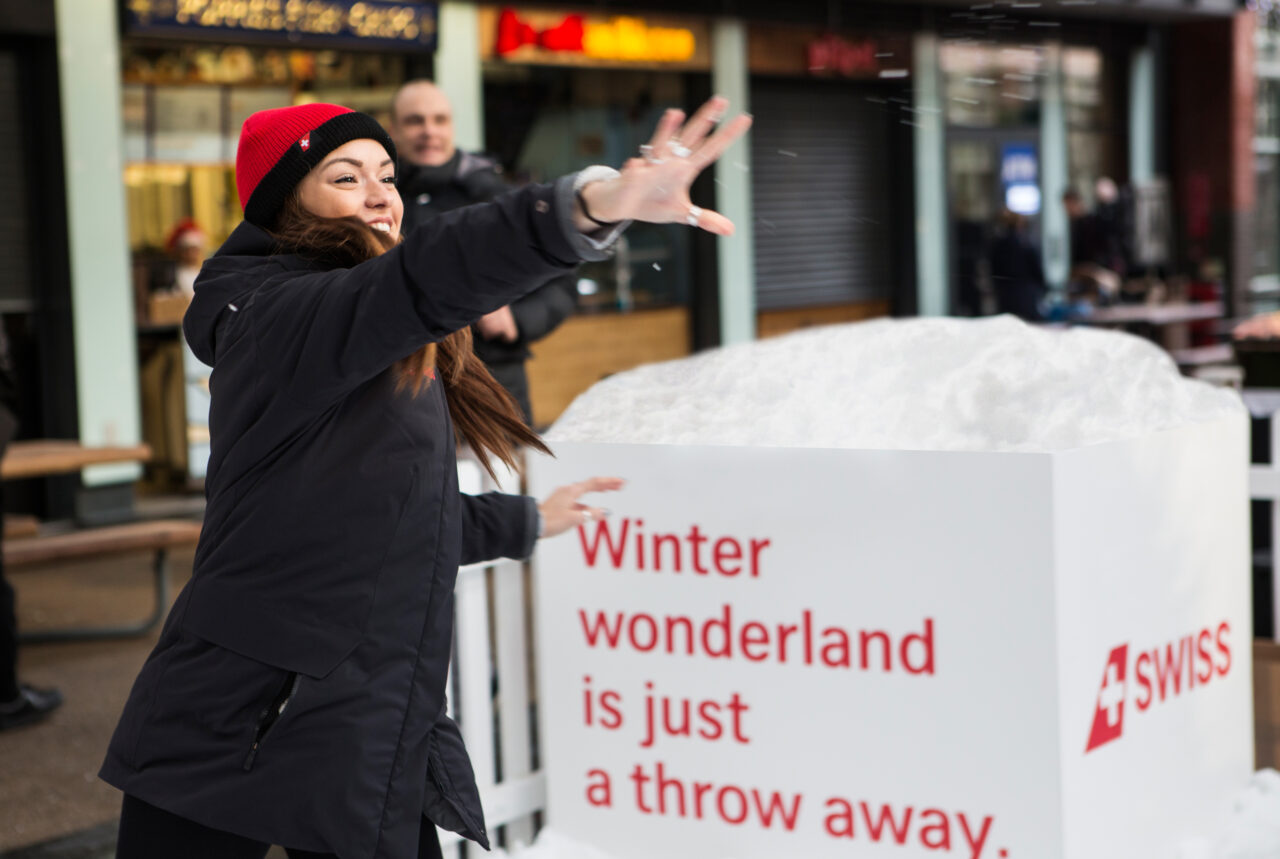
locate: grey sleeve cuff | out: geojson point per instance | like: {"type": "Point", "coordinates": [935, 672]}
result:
{"type": "Point", "coordinates": [590, 247]}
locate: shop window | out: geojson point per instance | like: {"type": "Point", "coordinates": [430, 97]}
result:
{"type": "Point", "coordinates": [1265, 284]}
{"type": "Point", "coordinates": [1264, 287]}
{"type": "Point", "coordinates": [1266, 36]}
{"type": "Point", "coordinates": [992, 86]}
{"type": "Point", "coordinates": [1090, 124]}
{"type": "Point", "coordinates": [1082, 87]}
{"type": "Point", "coordinates": [1266, 256]}
{"type": "Point", "coordinates": [545, 122]}
{"type": "Point", "coordinates": [1267, 109]}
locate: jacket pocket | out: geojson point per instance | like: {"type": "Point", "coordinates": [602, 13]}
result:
{"type": "Point", "coordinates": [308, 613]}
{"type": "Point", "coordinates": [271, 714]}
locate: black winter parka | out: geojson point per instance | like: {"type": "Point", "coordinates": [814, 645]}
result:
{"type": "Point", "coordinates": [297, 693]}
{"type": "Point", "coordinates": [465, 180]}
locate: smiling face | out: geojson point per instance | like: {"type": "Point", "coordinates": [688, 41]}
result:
{"type": "Point", "coordinates": [356, 180]}
{"type": "Point", "coordinates": [422, 124]}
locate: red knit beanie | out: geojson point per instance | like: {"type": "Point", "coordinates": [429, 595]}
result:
{"type": "Point", "coordinates": [279, 147]}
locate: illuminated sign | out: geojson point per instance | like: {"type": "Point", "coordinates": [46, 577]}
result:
{"type": "Point", "coordinates": [835, 55]}
{"type": "Point", "coordinates": [1020, 176]}
{"type": "Point", "coordinates": [372, 23]}
{"type": "Point", "coordinates": [778, 49]}
{"type": "Point", "coordinates": [619, 39]}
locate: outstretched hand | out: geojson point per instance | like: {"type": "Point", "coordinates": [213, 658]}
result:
{"type": "Point", "coordinates": [561, 510]}
{"type": "Point", "coordinates": [655, 188]}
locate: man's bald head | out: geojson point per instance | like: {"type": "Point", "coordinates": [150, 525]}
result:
{"type": "Point", "coordinates": [422, 124]}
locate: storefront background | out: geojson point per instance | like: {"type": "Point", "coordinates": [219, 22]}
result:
{"type": "Point", "coordinates": [185, 93]}
{"type": "Point", "coordinates": [835, 191]}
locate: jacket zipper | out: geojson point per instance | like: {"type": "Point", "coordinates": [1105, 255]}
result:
{"type": "Point", "coordinates": [271, 713]}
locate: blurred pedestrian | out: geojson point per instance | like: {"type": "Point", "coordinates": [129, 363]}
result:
{"type": "Point", "coordinates": [1095, 258]}
{"type": "Point", "coordinates": [1017, 275]}
{"type": "Point", "coordinates": [436, 177]}
{"type": "Point", "coordinates": [1112, 212]}
{"type": "Point", "coordinates": [20, 703]}
{"type": "Point", "coordinates": [297, 693]}
{"type": "Point", "coordinates": [187, 245]}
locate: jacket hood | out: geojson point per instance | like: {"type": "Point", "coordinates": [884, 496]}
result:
{"type": "Point", "coordinates": [222, 278]}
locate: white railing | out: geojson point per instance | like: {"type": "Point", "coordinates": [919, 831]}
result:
{"type": "Point", "coordinates": [493, 643]}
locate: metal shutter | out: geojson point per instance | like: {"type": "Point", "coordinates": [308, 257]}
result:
{"type": "Point", "coordinates": [15, 228]}
{"type": "Point", "coordinates": [820, 185]}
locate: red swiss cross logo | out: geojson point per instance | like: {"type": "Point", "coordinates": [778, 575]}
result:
{"type": "Point", "coordinates": [1108, 714]}
{"type": "Point", "coordinates": [1161, 675]}
{"type": "Point", "coordinates": [305, 142]}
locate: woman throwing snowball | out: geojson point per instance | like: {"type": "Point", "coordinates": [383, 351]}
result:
{"type": "Point", "coordinates": [297, 693]}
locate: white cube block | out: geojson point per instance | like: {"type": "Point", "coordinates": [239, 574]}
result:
{"type": "Point", "coordinates": [899, 653]}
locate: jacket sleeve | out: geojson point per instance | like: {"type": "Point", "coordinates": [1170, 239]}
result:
{"type": "Point", "coordinates": [539, 312]}
{"type": "Point", "coordinates": [497, 525]}
{"type": "Point", "coordinates": [323, 333]}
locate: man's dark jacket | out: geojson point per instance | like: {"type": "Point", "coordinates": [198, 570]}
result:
{"type": "Point", "coordinates": [297, 693]}
{"type": "Point", "coordinates": [1017, 275]}
{"type": "Point", "coordinates": [464, 180]}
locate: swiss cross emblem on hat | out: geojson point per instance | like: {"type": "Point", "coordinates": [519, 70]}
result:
{"type": "Point", "coordinates": [305, 141]}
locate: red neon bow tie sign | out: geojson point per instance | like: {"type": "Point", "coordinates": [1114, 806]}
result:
{"type": "Point", "coordinates": [514, 34]}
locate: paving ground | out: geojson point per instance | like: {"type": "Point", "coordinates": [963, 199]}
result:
{"type": "Point", "coordinates": [50, 786]}
{"type": "Point", "coordinates": [54, 806]}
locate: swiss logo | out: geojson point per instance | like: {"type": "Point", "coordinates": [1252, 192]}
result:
{"type": "Point", "coordinates": [1160, 675]}
{"type": "Point", "coordinates": [1108, 714]}
{"type": "Point", "coordinates": [305, 141]}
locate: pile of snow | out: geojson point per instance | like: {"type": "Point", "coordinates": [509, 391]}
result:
{"type": "Point", "coordinates": [1252, 831]}
{"type": "Point", "coordinates": [915, 384]}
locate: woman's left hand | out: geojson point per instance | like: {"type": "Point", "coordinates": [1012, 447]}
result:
{"type": "Point", "coordinates": [655, 188]}
{"type": "Point", "coordinates": [562, 511]}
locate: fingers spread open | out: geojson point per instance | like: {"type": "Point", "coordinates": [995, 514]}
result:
{"type": "Point", "coordinates": [703, 121]}
{"type": "Point", "coordinates": [724, 137]}
{"type": "Point", "coordinates": [601, 484]}
{"type": "Point", "coordinates": [666, 129]}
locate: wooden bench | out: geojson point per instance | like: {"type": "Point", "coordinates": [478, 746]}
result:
{"type": "Point", "coordinates": [158, 536]}
{"type": "Point", "coordinates": [20, 525]}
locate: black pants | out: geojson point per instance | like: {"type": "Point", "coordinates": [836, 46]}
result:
{"type": "Point", "coordinates": [147, 832]}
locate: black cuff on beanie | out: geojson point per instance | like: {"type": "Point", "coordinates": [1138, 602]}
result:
{"type": "Point", "coordinates": [268, 198]}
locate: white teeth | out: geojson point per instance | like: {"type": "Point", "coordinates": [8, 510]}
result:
{"type": "Point", "coordinates": [385, 227]}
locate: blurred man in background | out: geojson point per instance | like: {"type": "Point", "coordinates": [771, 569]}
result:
{"type": "Point", "coordinates": [1017, 275]}
{"type": "Point", "coordinates": [436, 177]}
{"type": "Point", "coordinates": [20, 703]}
{"type": "Point", "coordinates": [1096, 259]}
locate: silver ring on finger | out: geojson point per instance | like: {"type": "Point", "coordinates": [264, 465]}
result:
{"type": "Point", "coordinates": [586, 515]}
{"type": "Point", "coordinates": [679, 150]}
{"type": "Point", "coordinates": [694, 215]}
{"type": "Point", "coordinates": [646, 152]}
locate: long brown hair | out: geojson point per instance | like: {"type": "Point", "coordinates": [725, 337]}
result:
{"type": "Point", "coordinates": [484, 415]}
